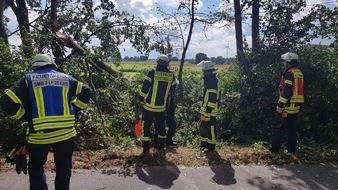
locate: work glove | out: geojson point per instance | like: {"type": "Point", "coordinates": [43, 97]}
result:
{"type": "Point", "coordinates": [205, 117]}
{"type": "Point", "coordinates": [18, 156]}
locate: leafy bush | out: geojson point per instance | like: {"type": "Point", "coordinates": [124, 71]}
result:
{"type": "Point", "coordinates": [246, 113]}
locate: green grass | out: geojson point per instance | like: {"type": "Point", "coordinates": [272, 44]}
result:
{"type": "Point", "coordinates": [133, 68]}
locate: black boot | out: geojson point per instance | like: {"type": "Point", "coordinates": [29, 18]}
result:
{"type": "Point", "coordinates": [170, 142]}
{"type": "Point", "coordinates": [145, 146]}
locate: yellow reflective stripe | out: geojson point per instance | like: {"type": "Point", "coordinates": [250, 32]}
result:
{"type": "Point", "coordinates": [212, 91]}
{"type": "Point", "coordinates": [206, 98]}
{"type": "Point", "coordinates": [204, 139]}
{"type": "Point", "coordinates": [80, 104]}
{"type": "Point", "coordinates": [282, 100]}
{"type": "Point", "coordinates": [292, 110]}
{"type": "Point", "coordinates": [142, 137]}
{"type": "Point", "coordinates": [161, 137]}
{"type": "Point", "coordinates": [167, 92]}
{"type": "Point", "coordinates": [147, 78]}
{"type": "Point", "coordinates": [66, 110]}
{"type": "Point", "coordinates": [213, 137]}
{"type": "Point", "coordinates": [13, 96]}
{"type": "Point", "coordinates": [142, 94]}
{"type": "Point", "coordinates": [42, 135]}
{"type": "Point", "coordinates": [155, 89]}
{"type": "Point", "coordinates": [295, 88]}
{"type": "Point", "coordinates": [39, 102]}
{"type": "Point", "coordinates": [297, 99]}
{"type": "Point", "coordinates": [154, 108]}
{"type": "Point", "coordinates": [288, 82]}
{"type": "Point", "coordinates": [79, 88]}
{"type": "Point", "coordinates": [60, 125]}
{"type": "Point", "coordinates": [52, 137]}
{"type": "Point", "coordinates": [20, 113]}
{"type": "Point", "coordinates": [53, 118]}
{"type": "Point", "coordinates": [145, 139]}
{"type": "Point", "coordinates": [210, 104]}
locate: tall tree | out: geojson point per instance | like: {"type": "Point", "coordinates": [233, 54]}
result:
{"type": "Point", "coordinates": [280, 29]}
{"type": "Point", "coordinates": [200, 57]}
{"type": "Point", "coordinates": [239, 33]}
{"type": "Point", "coordinates": [77, 25]}
{"type": "Point", "coordinates": [20, 10]}
{"type": "Point", "coordinates": [3, 33]}
{"type": "Point", "coordinates": [179, 25]}
{"type": "Point", "coordinates": [255, 24]}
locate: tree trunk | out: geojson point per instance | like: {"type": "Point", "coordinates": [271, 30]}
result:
{"type": "Point", "coordinates": [185, 48]}
{"type": "Point", "coordinates": [69, 42]}
{"type": "Point", "coordinates": [3, 33]}
{"type": "Point", "coordinates": [255, 25]}
{"type": "Point", "coordinates": [57, 49]}
{"type": "Point", "coordinates": [239, 34]}
{"type": "Point", "coordinates": [21, 12]}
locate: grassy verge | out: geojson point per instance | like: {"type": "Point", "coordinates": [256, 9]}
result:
{"type": "Point", "coordinates": [191, 157]}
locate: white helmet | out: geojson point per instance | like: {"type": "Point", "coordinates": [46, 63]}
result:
{"type": "Point", "coordinates": [206, 65]}
{"type": "Point", "coordinates": [163, 60]}
{"type": "Point", "coordinates": [289, 56]}
{"type": "Point", "coordinates": [41, 60]}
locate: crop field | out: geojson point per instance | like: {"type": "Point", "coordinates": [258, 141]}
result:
{"type": "Point", "coordinates": [132, 68]}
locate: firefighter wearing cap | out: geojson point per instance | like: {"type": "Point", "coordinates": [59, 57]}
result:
{"type": "Point", "coordinates": [157, 85]}
{"type": "Point", "coordinates": [210, 105]}
{"type": "Point", "coordinates": [291, 97]}
{"type": "Point", "coordinates": [48, 100]}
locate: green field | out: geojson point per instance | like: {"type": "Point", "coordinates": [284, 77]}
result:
{"type": "Point", "coordinates": [132, 68]}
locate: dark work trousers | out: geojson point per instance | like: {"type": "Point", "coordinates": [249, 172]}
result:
{"type": "Point", "coordinates": [149, 118]}
{"type": "Point", "coordinates": [290, 124]}
{"type": "Point", "coordinates": [63, 152]}
{"type": "Point", "coordinates": [170, 122]}
{"type": "Point", "coordinates": [208, 133]}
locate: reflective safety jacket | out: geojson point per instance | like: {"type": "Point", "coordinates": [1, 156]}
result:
{"type": "Point", "coordinates": [157, 85]}
{"type": "Point", "coordinates": [291, 94]}
{"type": "Point", "coordinates": [211, 96]}
{"type": "Point", "coordinates": [48, 100]}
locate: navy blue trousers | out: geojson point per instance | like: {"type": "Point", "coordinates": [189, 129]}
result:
{"type": "Point", "coordinates": [290, 123]}
{"type": "Point", "coordinates": [156, 118]}
{"type": "Point", "coordinates": [63, 152]}
{"type": "Point", "coordinates": [208, 133]}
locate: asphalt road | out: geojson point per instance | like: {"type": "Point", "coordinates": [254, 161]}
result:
{"type": "Point", "coordinates": [243, 177]}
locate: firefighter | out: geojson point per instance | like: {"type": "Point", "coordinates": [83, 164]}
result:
{"type": "Point", "coordinates": [169, 121]}
{"type": "Point", "coordinates": [291, 98]}
{"type": "Point", "coordinates": [157, 85]}
{"type": "Point", "coordinates": [210, 105]}
{"type": "Point", "coordinates": [48, 100]}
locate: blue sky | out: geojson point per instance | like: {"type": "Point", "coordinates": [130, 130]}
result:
{"type": "Point", "coordinates": [218, 38]}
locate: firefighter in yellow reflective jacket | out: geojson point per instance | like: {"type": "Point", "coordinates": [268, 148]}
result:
{"type": "Point", "coordinates": [210, 104]}
{"type": "Point", "coordinates": [157, 85]}
{"type": "Point", "coordinates": [48, 100]}
{"type": "Point", "coordinates": [291, 97]}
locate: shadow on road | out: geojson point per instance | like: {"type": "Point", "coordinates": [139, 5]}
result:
{"type": "Point", "coordinates": [162, 177]}
{"type": "Point", "coordinates": [224, 173]}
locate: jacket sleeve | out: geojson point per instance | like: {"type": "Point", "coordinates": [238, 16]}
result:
{"type": "Point", "coordinates": [211, 97]}
{"type": "Point", "coordinates": [148, 79]}
{"type": "Point", "coordinates": [173, 85]}
{"type": "Point", "coordinates": [81, 94]}
{"type": "Point", "coordinates": [15, 101]}
{"type": "Point", "coordinates": [287, 92]}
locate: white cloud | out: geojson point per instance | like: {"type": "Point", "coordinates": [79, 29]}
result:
{"type": "Point", "coordinates": [218, 38]}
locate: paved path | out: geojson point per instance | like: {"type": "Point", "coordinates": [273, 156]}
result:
{"type": "Point", "coordinates": [248, 177]}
